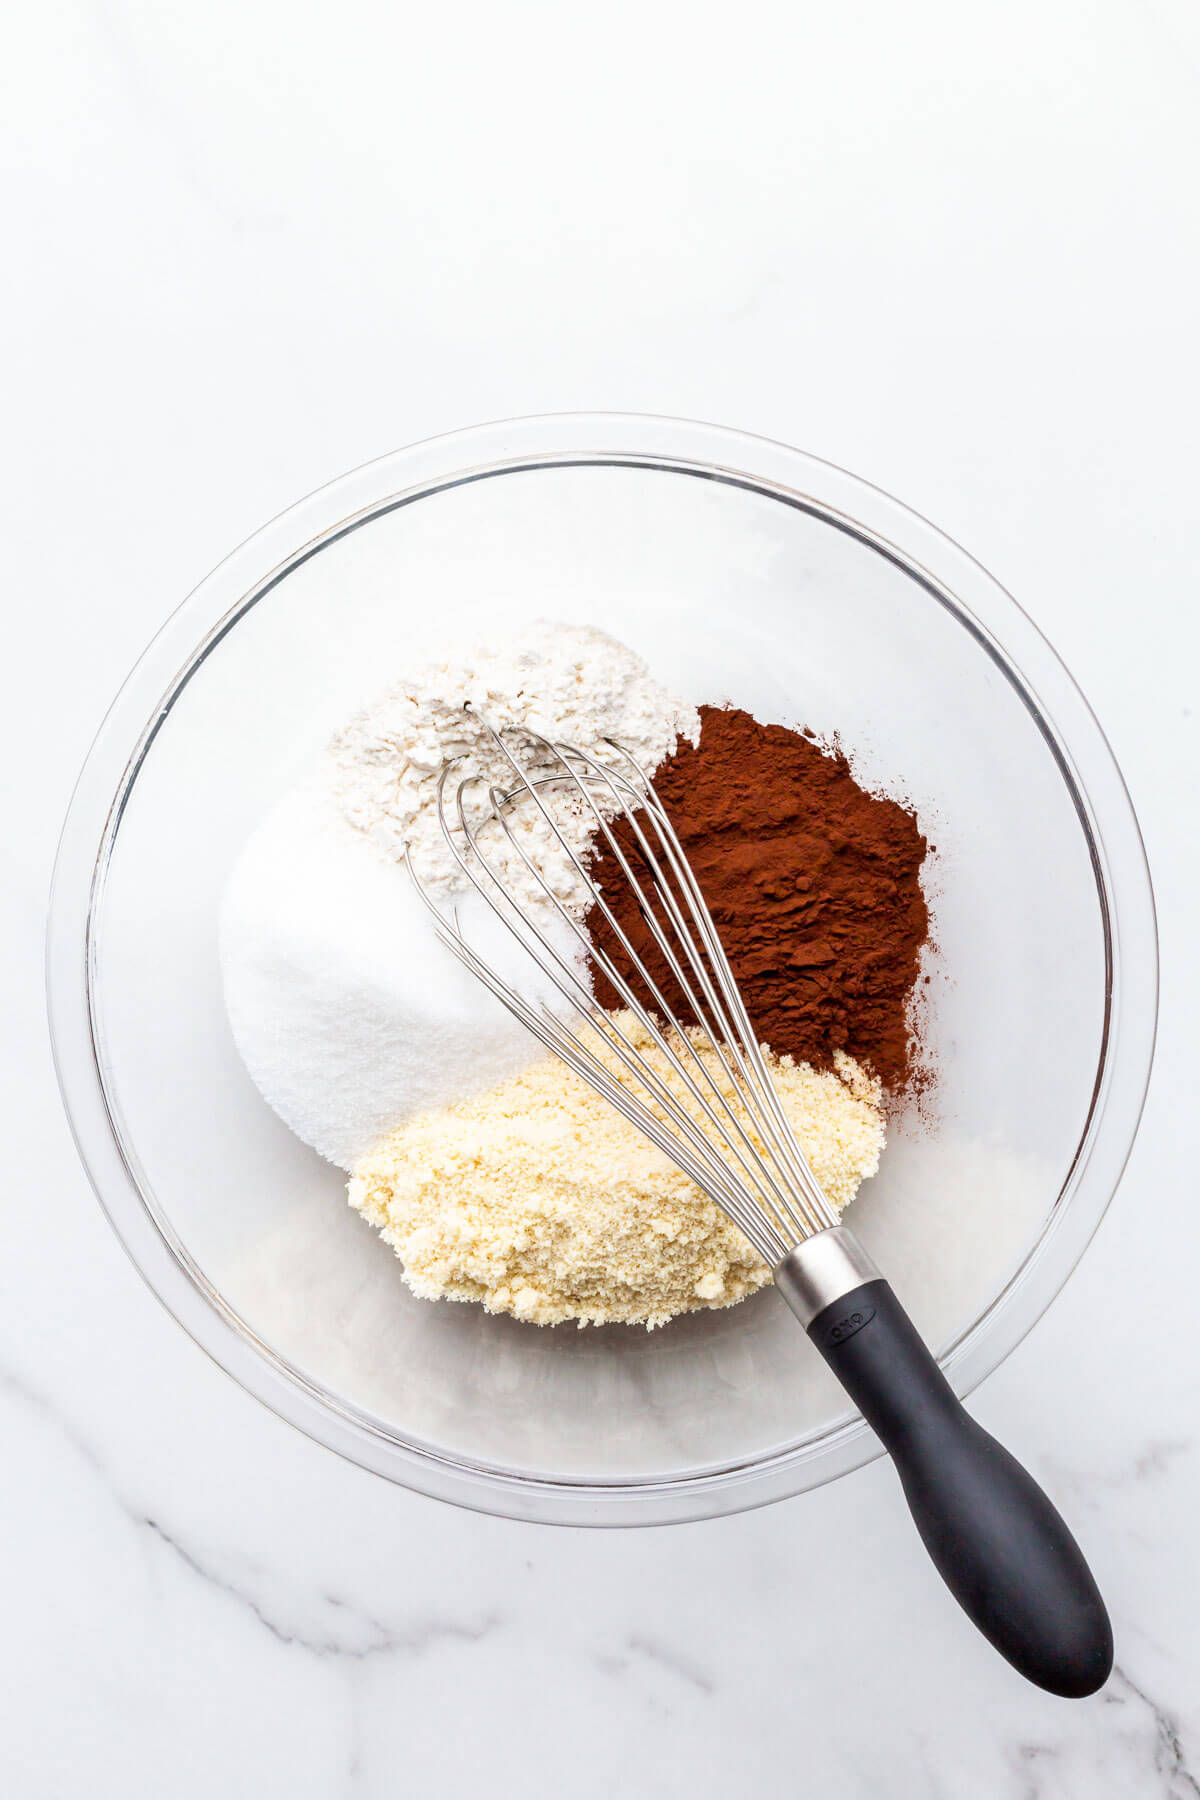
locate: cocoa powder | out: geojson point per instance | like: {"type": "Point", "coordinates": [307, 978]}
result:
{"type": "Point", "coordinates": [814, 886]}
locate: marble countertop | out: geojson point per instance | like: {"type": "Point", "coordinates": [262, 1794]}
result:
{"type": "Point", "coordinates": [258, 245]}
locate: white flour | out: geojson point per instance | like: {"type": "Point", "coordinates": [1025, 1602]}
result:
{"type": "Point", "coordinates": [565, 682]}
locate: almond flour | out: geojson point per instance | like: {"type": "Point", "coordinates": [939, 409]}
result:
{"type": "Point", "coordinates": [538, 1199]}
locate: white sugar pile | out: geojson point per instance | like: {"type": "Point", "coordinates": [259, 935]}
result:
{"type": "Point", "coordinates": [349, 1015]}
{"type": "Point", "coordinates": [347, 1012]}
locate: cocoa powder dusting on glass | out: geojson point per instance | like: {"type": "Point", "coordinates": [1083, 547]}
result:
{"type": "Point", "coordinates": [814, 886]}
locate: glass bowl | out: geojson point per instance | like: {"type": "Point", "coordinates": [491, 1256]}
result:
{"type": "Point", "coordinates": [747, 572]}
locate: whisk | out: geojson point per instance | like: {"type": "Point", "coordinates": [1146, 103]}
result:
{"type": "Point", "coordinates": [999, 1544]}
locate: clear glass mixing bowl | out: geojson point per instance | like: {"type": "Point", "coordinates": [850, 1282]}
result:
{"type": "Point", "coordinates": [747, 572]}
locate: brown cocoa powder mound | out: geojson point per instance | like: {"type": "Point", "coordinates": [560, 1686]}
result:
{"type": "Point", "coordinates": [813, 884]}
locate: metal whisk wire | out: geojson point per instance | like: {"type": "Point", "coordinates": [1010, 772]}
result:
{"type": "Point", "coordinates": [774, 1198]}
{"type": "Point", "coordinates": [745, 1152]}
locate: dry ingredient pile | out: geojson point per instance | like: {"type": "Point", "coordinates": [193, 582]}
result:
{"type": "Point", "coordinates": [564, 682]}
{"type": "Point", "coordinates": [814, 886]}
{"type": "Point", "coordinates": [347, 1013]}
{"type": "Point", "coordinates": [539, 1199]}
{"type": "Point", "coordinates": [495, 1173]}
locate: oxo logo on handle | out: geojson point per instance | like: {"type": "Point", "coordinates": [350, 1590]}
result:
{"type": "Point", "coordinates": [848, 1324]}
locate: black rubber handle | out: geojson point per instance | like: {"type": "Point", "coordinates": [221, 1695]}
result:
{"type": "Point", "coordinates": [1000, 1546]}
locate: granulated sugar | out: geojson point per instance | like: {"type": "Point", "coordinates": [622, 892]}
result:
{"type": "Point", "coordinates": [538, 1199]}
{"type": "Point", "coordinates": [347, 1012]}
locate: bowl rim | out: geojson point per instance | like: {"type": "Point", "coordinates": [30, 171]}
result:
{"type": "Point", "coordinates": [951, 576]}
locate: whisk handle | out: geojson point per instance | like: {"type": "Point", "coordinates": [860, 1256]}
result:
{"type": "Point", "coordinates": [1000, 1546]}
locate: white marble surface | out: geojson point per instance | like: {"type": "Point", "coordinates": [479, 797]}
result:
{"type": "Point", "coordinates": [250, 246]}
